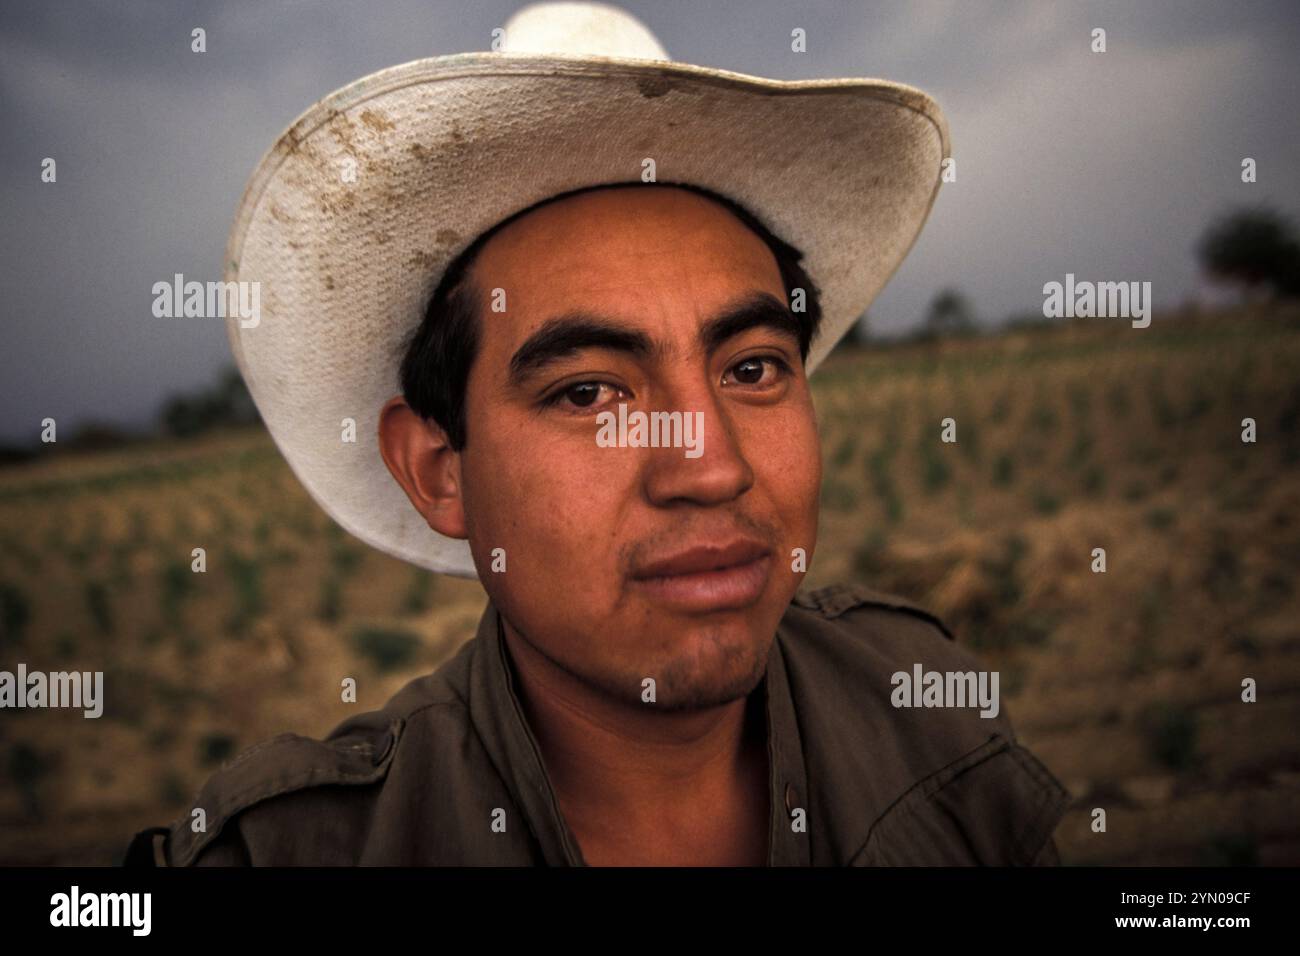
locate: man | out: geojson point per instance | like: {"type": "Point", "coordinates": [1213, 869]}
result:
{"type": "Point", "coordinates": [649, 684]}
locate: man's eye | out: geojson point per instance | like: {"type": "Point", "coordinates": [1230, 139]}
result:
{"type": "Point", "coordinates": [751, 371]}
{"type": "Point", "coordinates": [580, 395]}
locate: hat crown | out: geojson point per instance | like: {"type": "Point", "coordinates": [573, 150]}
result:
{"type": "Point", "coordinates": [580, 29]}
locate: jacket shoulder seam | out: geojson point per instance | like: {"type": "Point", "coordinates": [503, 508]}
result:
{"type": "Point", "coordinates": [835, 600]}
{"type": "Point", "coordinates": [316, 773]}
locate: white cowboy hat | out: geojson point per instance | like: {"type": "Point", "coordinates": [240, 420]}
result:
{"type": "Point", "coordinates": [351, 218]}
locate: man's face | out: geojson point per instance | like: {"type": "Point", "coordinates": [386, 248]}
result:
{"type": "Point", "coordinates": [592, 534]}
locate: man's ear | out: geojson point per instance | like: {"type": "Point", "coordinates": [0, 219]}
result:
{"type": "Point", "coordinates": [422, 460]}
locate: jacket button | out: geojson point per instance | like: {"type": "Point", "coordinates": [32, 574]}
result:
{"type": "Point", "coordinates": [790, 798]}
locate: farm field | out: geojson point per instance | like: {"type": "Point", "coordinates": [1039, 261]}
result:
{"type": "Point", "coordinates": [1086, 435]}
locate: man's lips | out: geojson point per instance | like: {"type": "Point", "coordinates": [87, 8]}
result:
{"type": "Point", "coordinates": [703, 557]}
{"type": "Point", "coordinates": [708, 577]}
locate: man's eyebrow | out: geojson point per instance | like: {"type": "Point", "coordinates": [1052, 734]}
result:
{"type": "Point", "coordinates": [575, 331]}
{"type": "Point", "coordinates": [756, 310]}
{"type": "Point", "coordinates": [570, 333]}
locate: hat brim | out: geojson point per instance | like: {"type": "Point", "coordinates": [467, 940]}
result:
{"type": "Point", "coordinates": [444, 148]}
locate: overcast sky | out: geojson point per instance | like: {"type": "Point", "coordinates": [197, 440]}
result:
{"type": "Point", "coordinates": [1108, 166]}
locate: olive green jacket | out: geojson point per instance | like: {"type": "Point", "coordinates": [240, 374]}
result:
{"type": "Point", "coordinates": [853, 780]}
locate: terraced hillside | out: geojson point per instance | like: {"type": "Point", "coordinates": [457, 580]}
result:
{"type": "Point", "coordinates": [1092, 435]}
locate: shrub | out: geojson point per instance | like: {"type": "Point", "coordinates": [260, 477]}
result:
{"type": "Point", "coordinates": [15, 612]}
{"type": "Point", "coordinates": [387, 648]}
{"type": "Point", "coordinates": [1169, 732]}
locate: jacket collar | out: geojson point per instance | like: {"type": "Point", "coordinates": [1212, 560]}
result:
{"type": "Point", "coordinates": [498, 717]}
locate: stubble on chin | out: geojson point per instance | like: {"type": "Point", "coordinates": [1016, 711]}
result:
{"type": "Point", "coordinates": [701, 681]}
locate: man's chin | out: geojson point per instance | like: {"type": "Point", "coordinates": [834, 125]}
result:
{"type": "Point", "coordinates": [710, 677]}
{"type": "Point", "coordinates": [698, 698]}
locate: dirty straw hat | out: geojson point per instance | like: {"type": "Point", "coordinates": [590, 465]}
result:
{"type": "Point", "coordinates": [351, 218]}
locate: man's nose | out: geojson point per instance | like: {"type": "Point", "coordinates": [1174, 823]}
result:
{"type": "Point", "coordinates": [721, 471]}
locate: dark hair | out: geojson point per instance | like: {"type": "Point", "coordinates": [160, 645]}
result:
{"type": "Point", "coordinates": [438, 355]}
